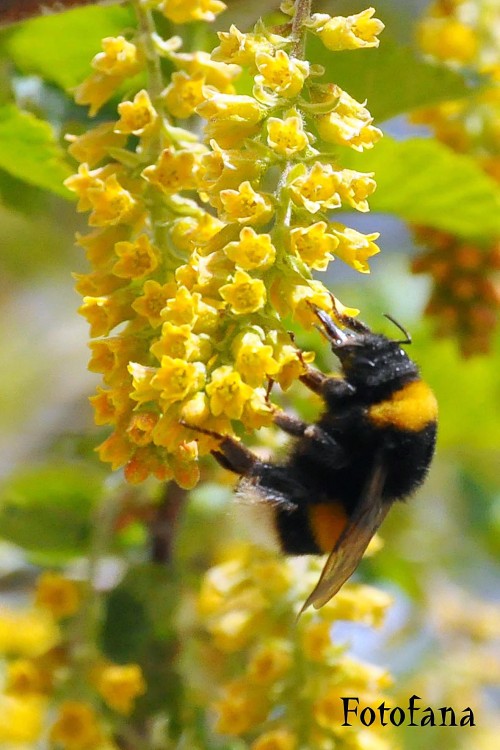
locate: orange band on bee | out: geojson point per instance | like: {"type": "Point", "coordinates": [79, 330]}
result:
{"type": "Point", "coordinates": [328, 520]}
{"type": "Point", "coordinates": [411, 408]}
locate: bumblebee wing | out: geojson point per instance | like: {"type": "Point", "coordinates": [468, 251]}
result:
{"type": "Point", "coordinates": [348, 551]}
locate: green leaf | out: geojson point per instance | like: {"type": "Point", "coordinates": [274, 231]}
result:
{"type": "Point", "coordinates": [29, 151]}
{"type": "Point", "coordinates": [393, 78]}
{"type": "Point", "coordinates": [422, 181]}
{"type": "Point", "coordinates": [59, 48]}
{"type": "Point", "coordinates": [47, 510]}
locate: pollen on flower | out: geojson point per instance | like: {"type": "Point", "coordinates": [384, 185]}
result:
{"type": "Point", "coordinates": [136, 259]}
{"type": "Point", "coordinates": [137, 116]}
{"type": "Point", "coordinates": [314, 244]}
{"type": "Point", "coordinates": [244, 294]}
{"type": "Point", "coordinates": [76, 726]}
{"type": "Point", "coordinates": [57, 594]}
{"type": "Point", "coordinates": [153, 300]}
{"type": "Point", "coordinates": [252, 250]}
{"type": "Point", "coordinates": [184, 93]}
{"type": "Point", "coordinates": [286, 136]}
{"type": "Point", "coordinates": [111, 203]}
{"type": "Point", "coordinates": [173, 171]}
{"type": "Point", "coordinates": [227, 392]}
{"type": "Point", "coordinates": [177, 379]}
{"type": "Point", "coordinates": [246, 206]}
{"type": "Point", "coordinates": [254, 358]}
{"type": "Point", "coordinates": [282, 74]}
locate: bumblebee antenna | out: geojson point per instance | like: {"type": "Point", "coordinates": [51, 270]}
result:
{"type": "Point", "coordinates": [400, 327]}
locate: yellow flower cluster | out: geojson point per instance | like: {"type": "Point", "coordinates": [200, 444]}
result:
{"type": "Point", "coordinates": [199, 251]}
{"type": "Point", "coordinates": [465, 298]}
{"type": "Point", "coordinates": [283, 691]}
{"type": "Point", "coordinates": [41, 652]}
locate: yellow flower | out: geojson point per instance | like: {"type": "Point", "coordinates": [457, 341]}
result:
{"type": "Point", "coordinates": [94, 144]}
{"type": "Point", "coordinates": [227, 392]}
{"type": "Point", "coordinates": [177, 379]}
{"type": "Point", "coordinates": [184, 93]}
{"type": "Point", "coordinates": [217, 74]}
{"type": "Point", "coordinates": [138, 116]}
{"type": "Point", "coordinates": [355, 187]}
{"type": "Point", "coordinates": [349, 123]}
{"type": "Point", "coordinates": [317, 190]}
{"type": "Point", "coordinates": [236, 47]}
{"type": "Point", "coordinates": [136, 259]}
{"type": "Point", "coordinates": [359, 603]}
{"type": "Point", "coordinates": [244, 294]}
{"type": "Point", "coordinates": [141, 427]}
{"type": "Point", "coordinates": [179, 342]}
{"type": "Point", "coordinates": [24, 677]}
{"type": "Point", "coordinates": [245, 205]}
{"type": "Point", "coordinates": [314, 245]}
{"type": "Point", "coordinates": [111, 203]}
{"type": "Point", "coordinates": [57, 594]}
{"type": "Point", "coordinates": [252, 251]}
{"type": "Point", "coordinates": [173, 171]}
{"type": "Point", "coordinates": [104, 313]}
{"type": "Point", "coordinates": [80, 183]}
{"type": "Point", "coordinates": [26, 633]}
{"type": "Point", "coordinates": [180, 11]}
{"type": "Point", "coordinates": [120, 685]}
{"type": "Point", "coordinates": [116, 449]}
{"type": "Point", "coordinates": [189, 232]}
{"type": "Point", "coordinates": [347, 32]}
{"type": "Point", "coordinates": [118, 58]}
{"type": "Point", "coordinates": [153, 300]}
{"type": "Point", "coordinates": [241, 708]}
{"type": "Point", "coordinates": [254, 359]}
{"type": "Point", "coordinates": [275, 739]}
{"type": "Point", "coordinates": [286, 137]}
{"type": "Point", "coordinates": [239, 107]}
{"type": "Point", "coordinates": [290, 366]}
{"type": "Point", "coordinates": [95, 91]}
{"type": "Point", "coordinates": [142, 376]}
{"type": "Point", "coordinates": [21, 720]}
{"type": "Point", "coordinates": [76, 727]}
{"type": "Point", "coordinates": [448, 39]}
{"type": "Point", "coordinates": [282, 74]}
{"type": "Point", "coordinates": [355, 248]}
{"type": "Point", "coordinates": [270, 661]}
{"type": "Point", "coordinates": [316, 640]}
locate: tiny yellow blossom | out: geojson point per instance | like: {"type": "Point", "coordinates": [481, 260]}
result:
{"type": "Point", "coordinates": [282, 74]}
{"type": "Point", "coordinates": [153, 300]}
{"type": "Point", "coordinates": [244, 294]}
{"type": "Point", "coordinates": [184, 93]}
{"type": "Point", "coordinates": [80, 183]}
{"type": "Point", "coordinates": [180, 11]}
{"type": "Point", "coordinates": [241, 708]}
{"type": "Point", "coordinates": [220, 75]}
{"type": "Point", "coordinates": [275, 739]}
{"type": "Point", "coordinates": [355, 248]}
{"type": "Point", "coordinates": [21, 720]}
{"type": "Point", "coordinates": [227, 392]}
{"type": "Point", "coordinates": [118, 58]}
{"type": "Point", "coordinates": [189, 232]}
{"type": "Point", "coordinates": [24, 677]}
{"type": "Point", "coordinates": [348, 124]}
{"type": "Point", "coordinates": [179, 342]}
{"type": "Point", "coordinates": [238, 107]}
{"type": "Point", "coordinates": [141, 426]}
{"type": "Point", "coordinates": [177, 379]}
{"type": "Point", "coordinates": [254, 359]}
{"type": "Point", "coordinates": [448, 39]}
{"type": "Point", "coordinates": [286, 137]}
{"type": "Point", "coordinates": [316, 640]}
{"type": "Point", "coordinates": [57, 594]}
{"type": "Point", "coordinates": [314, 245]}
{"type": "Point", "coordinates": [94, 145]}
{"type": "Point", "coordinates": [245, 205]}
{"type": "Point", "coordinates": [347, 32]}
{"type": "Point", "coordinates": [26, 633]}
{"type": "Point", "coordinates": [136, 259]}
{"type": "Point", "coordinates": [99, 244]}
{"type": "Point", "coordinates": [236, 47]}
{"type": "Point", "coordinates": [116, 449]}
{"type": "Point", "coordinates": [143, 391]}
{"type": "Point", "coordinates": [104, 313]}
{"type": "Point", "coordinates": [95, 91]}
{"type": "Point", "coordinates": [76, 727]}
{"type": "Point", "coordinates": [252, 251]}
{"type": "Point", "coordinates": [174, 171]}
{"type": "Point", "coordinates": [270, 661]}
{"type": "Point", "coordinates": [111, 203]}
{"type": "Point", "coordinates": [355, 188]}
{"type": "Point", "coordinates": [138, 116]}
{"type": "Point", "coordinates": [317, 190]}
{"type": "Point", "coordinates": [120, 685]}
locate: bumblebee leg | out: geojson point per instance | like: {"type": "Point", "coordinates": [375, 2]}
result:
{"type": "Point", "coordinates": [234, 456]}
{"type": "Point", "coordinates": [314, 380]}
{"type": "Point", "coordinates": [296, 427]}
{"type": "Point", "coordinates": [326, 386]}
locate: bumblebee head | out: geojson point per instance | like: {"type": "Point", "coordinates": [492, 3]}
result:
{"type": "Point", "coordinates": [369, 360]}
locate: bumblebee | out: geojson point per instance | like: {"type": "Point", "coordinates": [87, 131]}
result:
{"type": "Point", "coordinates": [372, 446]}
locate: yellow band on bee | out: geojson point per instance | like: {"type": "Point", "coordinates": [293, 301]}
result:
{"type": "Point", "coordinates": [328, 521]}
{"type": "Point", "coordinates": [411, 408]}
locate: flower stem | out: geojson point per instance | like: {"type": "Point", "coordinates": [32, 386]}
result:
{"type": "Point", "coordinates": [302, 13]}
